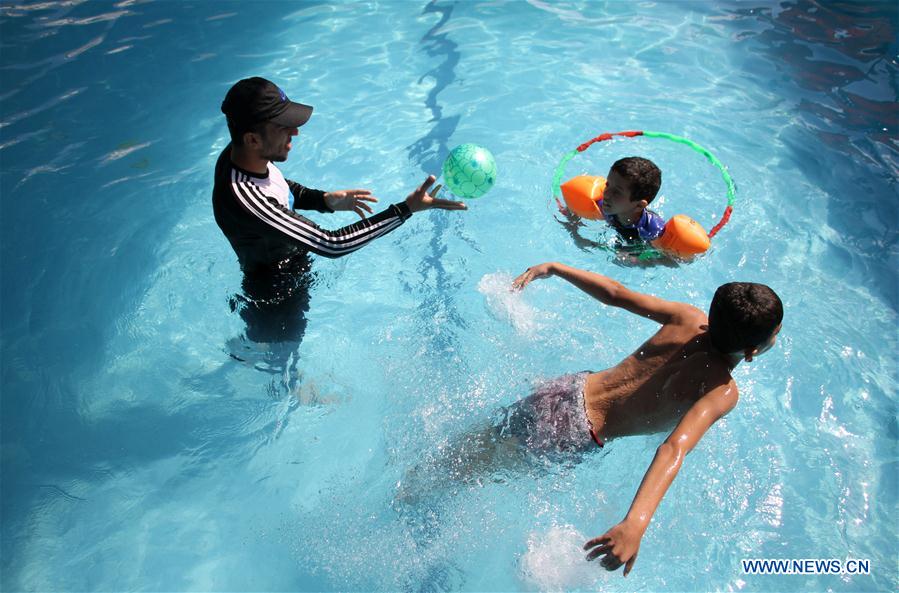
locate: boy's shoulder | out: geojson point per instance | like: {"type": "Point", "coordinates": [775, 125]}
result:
{"type": "Point", "coordinates": [712, 377]}
{"type": "Point", "coordinates": [649, 228]}
{"type": "Point", "coordinates": [687, 315]}
{"type": "Point", "coordinates": [651, 225]}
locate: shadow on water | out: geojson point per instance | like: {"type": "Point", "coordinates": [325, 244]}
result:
{"type": "Point", "coordinates": [429, 152]}
{"type": "Point", "coordinates": [104, 116]}
{"type": "Point", "coordinates": [75, 456]}
{"type": "Point", "coordinates": [844, 77]}
{"type": "Point", "coordinates": [436, 282]}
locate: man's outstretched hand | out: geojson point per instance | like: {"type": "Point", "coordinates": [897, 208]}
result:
{"type": "Point", "coordinates": [420, 200]}
{"type": "Point", "coordinates": [619, 545]}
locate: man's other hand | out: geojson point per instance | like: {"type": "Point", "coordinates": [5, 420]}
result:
{"type": "Point", "coordinates": [350, 199]}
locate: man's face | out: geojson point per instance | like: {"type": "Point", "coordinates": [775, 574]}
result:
{"type": "Point", "coordinates": [276, 141]}
{"type": "Point", "coordinates": [616, 199]}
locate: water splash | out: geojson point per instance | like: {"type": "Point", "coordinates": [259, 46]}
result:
{"type": "Point", "coordinates": [555, 561]}
{"type": "Point", "coordinates": [506, 304]}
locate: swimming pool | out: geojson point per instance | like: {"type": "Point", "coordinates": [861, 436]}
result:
{"type": "Point", "coordinates": [138, 454]}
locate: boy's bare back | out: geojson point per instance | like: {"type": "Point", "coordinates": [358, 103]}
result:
{"type": "Point", "coordinates": [676, 380]}
{"type": "Point", "coordinates": [652, 388]}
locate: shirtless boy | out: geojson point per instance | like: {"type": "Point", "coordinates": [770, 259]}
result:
{"type": "Point", "coordinates": [680, 378]}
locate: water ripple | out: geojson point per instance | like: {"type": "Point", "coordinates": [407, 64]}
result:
{"type": "Point", "coordinates": [122, 152]}
{"type": "Point", "coordinates": [42, 107]}
{"type": "Point", "coordinates": [100, 18]}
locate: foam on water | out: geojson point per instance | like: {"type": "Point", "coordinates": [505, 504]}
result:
{"type": "Point", "coordinates": [509, 305]}
{"type": "Point", "coordinates": [554, 561]}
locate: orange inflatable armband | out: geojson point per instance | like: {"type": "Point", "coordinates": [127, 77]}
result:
{"type": "Point", "coordinates": [683, 237]}
{"type": "Point", "coordinates": [582, 194]}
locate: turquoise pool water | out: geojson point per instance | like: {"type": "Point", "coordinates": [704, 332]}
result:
{"type": "Point", "coordinates": [137, 454]}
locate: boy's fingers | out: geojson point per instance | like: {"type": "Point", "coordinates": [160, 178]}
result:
{"type": "Point", "coordinates": [630, 564]}
{"type": "Point", "coordinates": [596, 540]}
{"type": "Point", "coordinates": [611, 562]}
{"type": "Point", "coordinates": [597, 552]}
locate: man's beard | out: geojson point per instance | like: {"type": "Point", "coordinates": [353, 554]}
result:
{"type": "Point", "coordinates": [277, 157]}
{"type": "Point", "coordinates": [274, 153]}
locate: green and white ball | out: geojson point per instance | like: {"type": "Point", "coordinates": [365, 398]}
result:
{"type": "Point", "coordinates": [469, 171]}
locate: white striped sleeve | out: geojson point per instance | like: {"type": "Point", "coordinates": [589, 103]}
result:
{"type": "Point", "coordinates": [283, 223]}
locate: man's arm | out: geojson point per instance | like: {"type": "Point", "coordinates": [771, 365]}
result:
{"type": "Point", "coordinates": [607, 291]}
{"type": "Point", "coordinates": [621, 543]}
{"type": "Point", "coordinates": [344, 199]}
{"type": "Point", "coordinates": [269, 219]}
{"type": "Point", "coordinates": [264, 216]}
{"type": "Point", "coordinates": [355, 199]}
{"type": "Point", "coordinates": [306, 198]}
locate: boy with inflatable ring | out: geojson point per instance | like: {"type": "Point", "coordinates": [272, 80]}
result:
{"type": "Point", "coordinates": [622, 200]}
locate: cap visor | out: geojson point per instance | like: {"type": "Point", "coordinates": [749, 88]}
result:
{"type": "Point", "coordinates": [294, 116]}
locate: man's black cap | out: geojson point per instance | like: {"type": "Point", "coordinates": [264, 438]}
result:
{"type": "Point", "coordinates": [254, 100]}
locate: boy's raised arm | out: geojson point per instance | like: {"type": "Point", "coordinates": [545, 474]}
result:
{"type": "Point", "coordinates": [621, 543]}
{"type": "Point", "coordinates": [606, 290]}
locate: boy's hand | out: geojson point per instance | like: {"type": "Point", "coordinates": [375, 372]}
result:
{"type": "Point", "coordinates": [619, 545]}
{"type": "Point", "coordinates": [563, 210]}
{"type": "Point", "coordinates": [533, 273]}
{"type": "Point", "coordinates": [419, 199]}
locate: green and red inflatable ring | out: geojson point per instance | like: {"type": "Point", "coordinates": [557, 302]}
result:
{"type": "Point", "coordinates": [728, 180]}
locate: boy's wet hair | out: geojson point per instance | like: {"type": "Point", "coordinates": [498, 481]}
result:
{"type": "Point", "coordinates": [645, 178]}
{"type": "Point", "coordinates": [743, 315]}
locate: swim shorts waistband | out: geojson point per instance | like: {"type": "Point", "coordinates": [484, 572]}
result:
{"type": "Point", "coordinates": [582, 380]}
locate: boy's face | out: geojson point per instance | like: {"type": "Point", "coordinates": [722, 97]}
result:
{"type": "Point", "coordinates": [616, 199]}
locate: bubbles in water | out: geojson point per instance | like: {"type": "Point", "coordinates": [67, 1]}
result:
{"type": "Point", "coordinates": [507, 304]}
{"type": "Point", "coordinates": [555, 561]}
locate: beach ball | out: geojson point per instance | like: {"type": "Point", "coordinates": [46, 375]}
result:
{"type": "Point", "coordinates": [469, 171]}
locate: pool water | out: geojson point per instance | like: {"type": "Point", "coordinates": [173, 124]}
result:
{"type": "Point", "coordinates": [138, 453]}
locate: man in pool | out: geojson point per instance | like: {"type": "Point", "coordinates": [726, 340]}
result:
{"type": "Point", "coordinates": [255, 205]}
{"type": "Point", "coordinates": [680, 377]}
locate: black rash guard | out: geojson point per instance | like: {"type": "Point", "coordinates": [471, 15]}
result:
{"type": "Point", "coordinates": [254, 212]}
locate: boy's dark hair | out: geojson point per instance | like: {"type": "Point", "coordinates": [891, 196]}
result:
{"type": "Point", "coordinates": [645, 178]}
{"type": "Point", "coordinates": [743, 315]}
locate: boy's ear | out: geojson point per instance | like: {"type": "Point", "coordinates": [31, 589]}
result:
{"type": "Point", "coordinates": [749, 353]}
{"type": "Point", "coordinates": [643, 203]}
